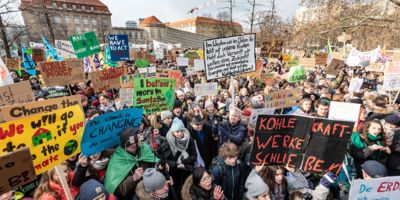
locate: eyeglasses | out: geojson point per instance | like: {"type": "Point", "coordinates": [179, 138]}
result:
{"type": "Point", "coordinates": [206, 178]}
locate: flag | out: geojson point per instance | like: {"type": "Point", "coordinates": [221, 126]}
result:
{"type": "Point", "coordinates": [28, 63]}
{"type": "Point", "coordinates": [52, 51]}
{"type": "Point", "coordinates": [330, 54]}
{"type": "Point", "coordinates": [107, 58]}
{"type": "Point", "coordinates": [5, 76]}
{"type": "Point", "coordinates": [87, 65]}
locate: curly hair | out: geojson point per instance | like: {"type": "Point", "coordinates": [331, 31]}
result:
{"type": "Point", "coordinates": [228, 149]}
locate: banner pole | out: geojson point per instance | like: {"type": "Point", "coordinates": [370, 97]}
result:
{"type": "Point", "coordinates": [64, 182]}
{"type": "Point", "coordinates": [395, 98]}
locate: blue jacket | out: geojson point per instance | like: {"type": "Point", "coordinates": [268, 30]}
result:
{"type": "Point", "coordinates": [235, 134]}
{"type": "Point", "coordinates": [231, 180]}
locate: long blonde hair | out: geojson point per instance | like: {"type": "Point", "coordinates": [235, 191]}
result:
{"type": "Point", "coordinates": [44, 186]}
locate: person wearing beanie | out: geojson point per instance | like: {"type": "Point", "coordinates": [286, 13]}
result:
{"type": "Point", "coordinates": [391, 123]}
{"type": "Point", "coordinates": [393, 165]}
{"type": "Point", "coordinates": [94, 190]}
{"type": "Point", "coordinates": [127, 164]}
{"type": "Point", "coordinates": [177, 111]}
{"type": "Point", "coordinates": [258, 101]}
{"type": "Point", "coordinates": [199, 186]}
{"type": "Point", "coordinates": [232, 130]}
{"type": "Point", "coordinates": [256, 188]}
{"type": "Point", "coordinates": [373, 169]}
{"type": "Point", "coordinates": [182, 156]}
{"type": "Point", "coordinates": [166, 122]}
{"type": "Point", "coordinates": [212, 118]}
{"type": "Point", "coordinates": [153, 186]}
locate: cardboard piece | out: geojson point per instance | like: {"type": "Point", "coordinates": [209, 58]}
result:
{"type": "Point", "coordinates": [355, 84]}
{"type": "Point", "coordinates": [16, 93]}
{"type": "Point", "coordinates": [282, 98]}
{"type": "Point", "coordinates": [335, 67]}
{"type": "Point", "coordinates": [60, 73]}
{"type": "Point", "coordinates": [107, 79]}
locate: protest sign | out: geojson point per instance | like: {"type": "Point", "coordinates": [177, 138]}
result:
{"type": "Point", "coordinates": [59, 73]}
{"type": "Point", "coordinates": [327, 146]}
{"type": "Point", "coordinates": [229, 56]}
{"type": "Point", "coordinates": [141, 56]}
{"type": "Point", "coordinates": [38, 55]}
{"type": "Point", "coordinates": [391, 82]}
{"type": "Point", "coordinates": [18, 111]}
{"type": "Point", "coordinates": [321, 58]}
{"type": "Point", "coordinates": [392, 67]}
{"type": "Point", "coordinates": [154, 94]}
{"type": "Point", "coordinates": [103, 131]}
{"type": "Point", "coordinates": [271, 48]}
{"type": "Point", "coordinates": [126, 96]}
{"type": "Point", "coordinates": [56, 91]}
{"type": "Point", "coordinates": [358, 58]}
{"type": "Point", "coordinates": [16, 93]}
{"type": "Point", "coordinates": [107, 79]}
{"type": "Point", "coordinates": [355, 84]}
{"type": "Point", "coordinates": [344, 111]}
{"type": "Point", "coordinates": [119, 47]}
{"type": "Point", "coordinates": [335, 66]}
{"type": "Point", "coordinates": [206, 89]}
{"type": "Point", "coordinates": [126, 81]}
{"type": "Point", "coordinates": [269, 78]}
{"type": "Point", "coordinates": [282, 99]}
{"type": "Point", "coordinates": [297, 74]}
{"type": "Point", "coordinates": [260, 111]}
{"type": "Point", "coordinates": [177, 75]}
{"type": "Point", "coordinates": [308, 63]}
{"type": "Point", "coordinates": [159, 53]}
{"type": "Point", "coordinates": [12, 63]}
{"type": "Point", "coordinates": [64, 49]}
{"type": "Point", "coordinates": [199, 65]}
{"type": "Point", "coordinates": [51, 137]}
{"type": "Point", "coordinates": [16, 169]}
{"type": "Point", "coordinates": [5, 76]}
{"type": "Point", "coordinates": [36, 45]}
{"type": "Point", "coordinates": [385, 188]}
{"type": "Point", "coordinates": [85, 44]}
{"type": "Point", "coordinates": [162, 73]}
{"type": "Point", "coordinates": [182, 61]}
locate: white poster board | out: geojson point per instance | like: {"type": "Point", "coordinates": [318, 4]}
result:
{"type": "Point", "coordinates": [391, 82]}
{"type": "Point", "coordinates": [64, 49]}
{"type": "Point", "coordinates": [182, 61]}
{"type": "Point", "coordinates": [206, 89]}
{"type": "Point", "coordinates": [355, 84]}
{"type": "Point", "coordinates": [198, 64]}
{"type": "Point", "coordinates": [344, 111]}
{"type": "Point", "coordinates": [260, 111]}
{"type": "Point", "coordinates": [387, 188]}
{"type": "Point", "coordinates": [231, 56]}
{"type": "Point", "coordinates": [159, 53]}
{"type": "Point", "coordinates": [126, 96]}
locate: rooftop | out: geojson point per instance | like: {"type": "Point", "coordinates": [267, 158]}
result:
{"type": "Point", "coordinates": [198, 20]}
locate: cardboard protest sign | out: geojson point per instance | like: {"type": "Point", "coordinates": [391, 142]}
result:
{"type": "Point", "coordinates": [177, 75]}
{"type": "Point", "coordinates": [229, 56]}
{"type": "Point", "coordinates": [16, 169]}
{"type": "Point", "coordinates": [321, 58]}
{"type": "Point", "coordinates": [358, 58]}
{"type": "Point", "coordinates": [391, 82]}
{"type": "Point", "coordinates": [18, 111]}
{"type": "Point", "coordinates": [12, 63]}
{"type": "Point", "coordinates": [282, 99]}
{"type": "Point", "coordinates": [154, 94]}
{"type": "Point", "coordinates": [260, 111]}
{"type": "Point", "coordinates": [141, 56]}
{"type": "Point", "coordinates": [386, 188]}
{"type": "Point", "coordinates": [126, 81]}
{"type": "Point", "coordinates": [268, 78]}
{"type": "Point", "coordinates": [64, 49]}
{"type": "Point", "coordinates": [107, 79]}
{"type": "Point", "coordinates": [335, 66]}
{"type": "Point", "coordinates": [38, 55]}
{"type": "Point", "coordinates": [182, 61]}
{"type": "Point", "coordinates": [392, 67]}
{"type": "Point", "coordinates": [59, 73]}
{"type": "Point", "coordinates": [16, 93]}
{"type": "Point", "coordinates": [52, 137]}
{"type": "Point", "coordinates": [306, 62]}
{"type": "Point", "coordinates": [85, 44]}
{"type": "Point", "coordinates": [271, 48]}
{"type": "Point", "coordinates": [355, 84]}
{"type": "Point", "coordinates": [199, 65]}
{"type": "Point", "coordinates": [327, 145]}
{"type": "Point", "coordinates": [119, 47]}
{"type": "Point", "coordinates": [103, 131]}
{"type": "Point", "coordinates": [206, 89]}
{"type": "Point", "coordinates": [344, 111]}
{"type": "Point", "coordinates": [159, 53]}
{"type": "Point", "coordinates": [297, 74]}
{"type": "Point", "coordinates": [126, 96]}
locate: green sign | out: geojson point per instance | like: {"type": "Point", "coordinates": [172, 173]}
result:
{"type": "Point", "coordinates": [85, 44]}
{"type": "Point", "coordinates": [297, 74]}
{"type": "Point", "coordinates": [154, 94]}
{"type": "Point", "coordinates": [141, 63]}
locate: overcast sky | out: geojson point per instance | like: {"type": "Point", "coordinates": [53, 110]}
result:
{"type": "Point", "coordinates": [172, 10]}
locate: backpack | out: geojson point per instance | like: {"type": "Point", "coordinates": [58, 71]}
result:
{"type": "Point", "coordinates": [221, 167]}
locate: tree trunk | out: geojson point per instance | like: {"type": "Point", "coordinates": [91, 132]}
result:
{"type": "Point", "coordinates": [252, 16]}
{"type": "Point", "coordinates": [397, 2]}
{"type": "Point", "coordinates": [3, 35]}
{"type": "Point", "coordinates": [48, 21]}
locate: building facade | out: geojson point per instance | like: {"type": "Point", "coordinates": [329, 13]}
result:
{"type": "Point", "coordinates": [131, 24]}
{"type": "Point", "coordinates": [66, 17]}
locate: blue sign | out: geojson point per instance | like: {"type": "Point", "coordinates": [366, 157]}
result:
{"type": "Point", "coordinates": [119, 47]}
{"type": "Point", "coordinates": [103, 131]}
{"type": "Point", "coordinates": [28, 63]}
{"type": "Point", "coordinates": [51, 50]}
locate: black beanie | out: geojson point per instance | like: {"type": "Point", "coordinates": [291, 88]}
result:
{"type": "Point", "coordinates": [126, 134]}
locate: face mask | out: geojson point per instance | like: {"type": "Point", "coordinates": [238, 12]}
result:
{"type": "Point", "coordinates": [99, 164]}
{"type": "Point", "coordinates": [160, 196]}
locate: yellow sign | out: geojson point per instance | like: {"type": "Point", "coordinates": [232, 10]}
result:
{"type": "Point", "coordinates": [52, 137]}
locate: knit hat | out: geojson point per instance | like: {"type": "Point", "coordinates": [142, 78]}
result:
{"type": "Point", "coordinates": [127, 136]}
{"type": "Point", "coordinates": [177, 125]}
{"type": "Point", "coordinates": [374, 169]}
{"type": "Point", "coordinates": [197, 120]}
{"type": "Point", "coordinates": [208, 103]}
{"type": "Point", "coordinates": [255, 186]}
{"type": "Point", "coordinates": [179, 93]}
{"type": "Point", "coordinates": [153, 180]}
{"type": "Point", "coordinates": [393, 119]}
{"type": "Point", "coordinates": [92, 189]}
{"type": "Point", "coordinates": [165, 114]}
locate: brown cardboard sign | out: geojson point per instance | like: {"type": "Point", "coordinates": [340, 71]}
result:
{"type": "Point", "coordinates": [16, 93]}
{"type": "Point", "coordinates": [16, 169]}
{"type": "Point", "coordinates": [321, 58]}
{"type": "Point", "coordinates": [107, 79]}
{"type": "Point", "coordinates": [38, 55]}
{"type": "Point", "coordinates": [60, 73]}
{"type": "Point", "coordinates": [335, 66]}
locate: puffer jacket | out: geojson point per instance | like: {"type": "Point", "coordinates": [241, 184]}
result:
{"type": "Point", "coordinates": [235, 134]}
{"type": "Point", "coordinates": [231, 181]}
{"type": "Point", "coordinates": [394, 158]}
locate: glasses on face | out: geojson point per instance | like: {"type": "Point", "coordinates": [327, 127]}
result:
{"type": "Point", "coordinates": [206, 178]}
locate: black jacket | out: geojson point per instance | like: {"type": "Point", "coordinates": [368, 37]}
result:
{"type": "Point", "coordinates": [207, 148]}
{"type": "Point", "coordinates": [394, 157]}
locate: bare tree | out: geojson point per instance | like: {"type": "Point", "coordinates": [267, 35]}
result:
{"type": "Point", "coordinates": [9, 30]}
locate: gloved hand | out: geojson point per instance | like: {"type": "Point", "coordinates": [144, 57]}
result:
{"type": "Point", "coordinates": [328, 180]}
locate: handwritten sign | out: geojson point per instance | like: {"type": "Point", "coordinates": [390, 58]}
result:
{"type": "Point", "coordinates": [12, 63]}
{"type": "Point", "coordinates": [16, 169]}
{"type": "Point", "coordinates": [103, 132]}
{"type": "Point", "coordinates": [18, 111]}
{"type": "Point", "coordinates": [16, 93]}
{"type": "Point", "coordinates": [229, 56]}
{"type": "Point", "coordinates": [85, 44]}
{"type": "Point", "coordinates": [297, 74]}
{"type": "Point", "coordinates": [387, 188]}
{"type": "Point", "coordinates": [38, 55]}
{"type": "Point", "coordinates": [119, 47]}
{"type": "Point", "coordinates": [177, 75]}
{"type": "Point", "coordinates": [335, 66]}
{"type": "Point", "coordinates": [64, 49]}
{"type": "Point", "coordinates": [182, 61]}
{"type": "Point", "coordinates": [307, 62]}
{"type": "Point", "coordinates": [391, 82]}
{"type": "Point", "coordinates": [126, 81]}
{"type": "Point", "coordinates": [260, 111]}
{"type": "Point", "coordinates": [355, 84]}
{"type": "Point", "coordinates": [206, 89]}
{"type": "Point", "coordinates": [321, 58]}
{"type": "Point", "coordinates": [107, 79]}
{"type": "Point", "coordinates": [198, 64]}
{"type": "Point", "coordinates": [61, 73]}
{"type": "Point", "coordinates": [344, 111]}
{"type": "Point", "coordinates": [282, 98]}
{"type": "Point", "coordinates": [126, 96]}
{"type": "Point", "coordinates": [142, 56]}
{"type": "Point", "coordinates": [154, 94]}
{"type": "Point", "coordinates": [52, 137]}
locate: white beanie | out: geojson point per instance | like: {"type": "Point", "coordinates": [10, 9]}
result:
{"type": "Point", "coordinates": [255, 186]}
{"type": "Point", "coordinates": [208, 103]}
{"type": "Point", "coordinates": [179, 93]}
{"type": "Point", "coordinates": [165, 114]}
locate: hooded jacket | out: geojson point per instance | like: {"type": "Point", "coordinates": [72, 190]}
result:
{"type": "Point", "coordinates": [235, 134]}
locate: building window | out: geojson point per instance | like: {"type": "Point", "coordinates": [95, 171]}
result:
{"type": "Point", "coordinates": [94, 21]}
{"type": "Point", "coordinates": [152, 33]}
{"type": "Point", "coordinates": [105, 22]}
{"type": "Point", "coordinates": [78, 30]}
{"type": "Point", "coordinates": [57, 19]}
{"type": "Point", "coordinates": [66, 18]}
{"type": "Point", "coordinates": [65, 6]}
{"type": "Point", "coordinates": [83, 8]}
{"type": "Point", "coordinates": [86, 29]}
{"type": "Point", "coordinates": [159, 34]}
{"type": "Point", "coordinates": [85, 20]}
{"type": "Point", "coordinates": [136, 35]}
{"type": "Point", "coordinates": [91, 8]}
{"type": "Point", "coordinates": [95, 30]}
{"type": "Point", "coordinates": [74, 7]}
{"type": "Point", "coordinates": [77, 20]}
{"type": "Point", "coordinates": [54, 4]}
{"type": "Point", "coordinates": [140, 35]}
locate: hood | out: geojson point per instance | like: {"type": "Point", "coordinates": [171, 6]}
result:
{"type": "Point", "coordinates": [186, 188]}
{"type": "Point", "coordinates": [141, 193]}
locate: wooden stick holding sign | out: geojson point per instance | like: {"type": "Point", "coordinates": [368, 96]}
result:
{"type": "Point", "coordinates": [395, 98]}
{"type": "Point", "coordinates": [64, 182]}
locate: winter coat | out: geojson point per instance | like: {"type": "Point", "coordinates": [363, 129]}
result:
{"type": "Point", "coordinates": [377, 112]}
{"type": "Point", "coordinates": [231, 181]}
{"type": "Point", "coordinates": [208, 147]}
{"type": "Point", "coordinates": [60, 191]}
{"type": "Point", "coordinates": [394, 157]}
{"type": "Point", "coordinates": [189, 192]}
{"type": "Point", "coordinates": [235, 134]}
{"type": "Point", "coordinates": [83, 174]}
{"type": "Point", "coordinates": [141, 194]}
{"type": "Point", "coordinates": [164, 129]}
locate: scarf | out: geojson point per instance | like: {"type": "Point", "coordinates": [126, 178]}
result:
{"type": "Point", "coordinates": [360, 144]}
{"type": "Point", "coordinates": [99, 164]}
{"type": "Point", "coordinates": [122, 162]}
{"type": "Point", "coordinates": [179, 145]}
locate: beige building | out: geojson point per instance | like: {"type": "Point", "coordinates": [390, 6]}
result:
{"type": "Point", "coordinates": [206, 26]}
{"type": "Point", "coordinates": [67, 17]}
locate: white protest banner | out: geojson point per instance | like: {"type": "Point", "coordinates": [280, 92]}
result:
{"type": "Point", "coordinates": [160, 45]}
{"type": "Point", "coordinates": [126, 96]}
{"type": "Point", "coordinates": [159, 53]}
{"type": "Point", "coordinates": [35, 45]}
{"type": "Point", "coordinates": [205, 89]}
{"type": "Point", "coordinates": [229, 56]}
{"type": "Point", "coordinates": [386, 188]}
{"type": "Point", "coordinates": [355, 84]}
{"type": "Point", "coordinates": [64, 49]}
{"type": "Point", "coordinates": [391, 82]}
{"type": "Point", "coordinates": [137, 46]}
{"type": "Point", "coordinates": [344, 111]}
{"type": "Point", "coordinates": [256, 112]}
{"type": "Point", "coordinates": [358, 58]}
{"type": "Point", "coordinates": [5, 76]}
{"type": "Point", "coordinates": [198, 64]}
{"type": "Point", "coordinates": [181, 61]}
